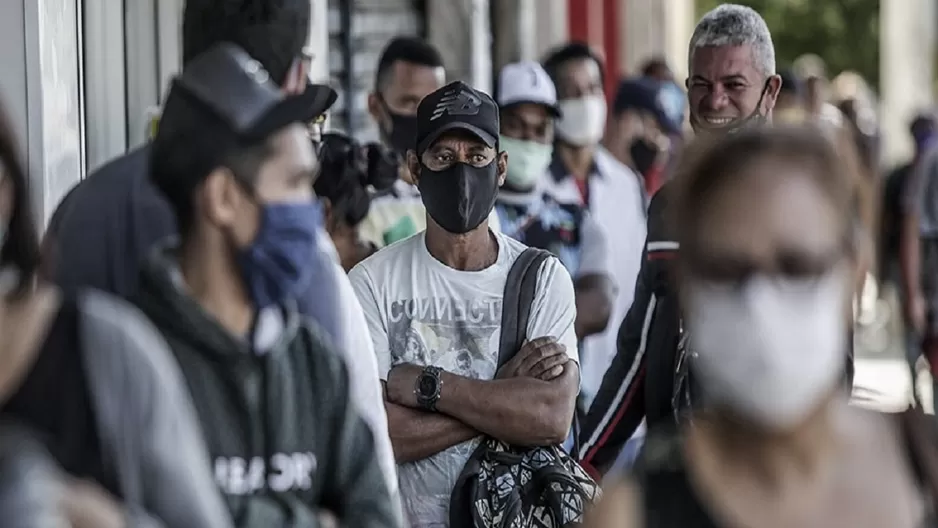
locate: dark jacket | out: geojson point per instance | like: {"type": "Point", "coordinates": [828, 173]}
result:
{"type": "Point", "coordinates": [640, 380]}
{"type": "Point", "coordinates": [106, 226]}
{"type": "Point", "coordinates": [647, 340]}
{"type": "Point", "coordinates": [285, 439]}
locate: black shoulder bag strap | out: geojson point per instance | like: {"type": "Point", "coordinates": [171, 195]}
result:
{"type": "Point", "coordinates": [516, 310]}
{"type": "Point", "coordinates": [517, 300]}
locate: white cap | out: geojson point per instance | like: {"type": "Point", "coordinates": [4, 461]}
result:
{"type": "Point", "coordinates": [526, 82]}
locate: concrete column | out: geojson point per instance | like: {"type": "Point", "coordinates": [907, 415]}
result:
{"type": "Point", "coordinates": [679, 21]}
{"type": "Point", "coordinates": [105, 89]}
{"type": "Point", "coordinates": [460, 29]}
{"type": "Point", "coordinates": [513, 28]}
{"type": "Point", "coordinates": [169, 43]}
{"type": "Point", "coordinates": [527, 29]}
{"type": "Point", "coordinates": [48, 33]}
{"type": "Point", "coordinates": [655, 28]}
{"type": "Point", "coordinates": [907, 50]}
{"type": "Point", "coordinates": [143, 80]}
{"type": "Point", "coordinates": [319, 41]}
{"type": "Point", "coordinates": [550, 22]}
{"type": "Point", "coordinates": [642, 29]}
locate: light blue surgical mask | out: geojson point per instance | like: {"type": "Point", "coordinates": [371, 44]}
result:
{"type": "Point", "coordinates": [527, 162]}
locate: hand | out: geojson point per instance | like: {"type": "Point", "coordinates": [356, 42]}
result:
{"type": "Point", "coordinates": [327, 519]}
{"type": "Point", "coordinates": [915, 312]}
{"type": "Point", "coordinates": [542, 358]}
{"type": "Point", "coordinates": [88, 505]}
{"type": "Point", "coordinates": [402, 380]}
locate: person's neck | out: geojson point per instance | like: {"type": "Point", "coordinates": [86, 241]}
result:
{"type": "Point", "coordinates": [213, 280]}
{"type": "Point", "coordinates": [774, 459]}
{"type": "Point", "coordinates": [472, 251]}
{"type": "Point", "coordinates": [577, 160]}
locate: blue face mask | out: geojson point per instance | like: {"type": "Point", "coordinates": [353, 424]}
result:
{"type": "Point", "coordinates": [278, 265]}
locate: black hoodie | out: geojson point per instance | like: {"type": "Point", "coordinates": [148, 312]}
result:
{"type": "Point", "coordinates": [285, 439]}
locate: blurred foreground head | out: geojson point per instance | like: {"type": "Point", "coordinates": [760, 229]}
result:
{"type": "Point", "coordinates": [19, 242]}
{"type": "Point", "coordinates": [273, 32]}
{"type": "Point", "coordinates": [731, 82]}
{"type": "Point", "coordinates": [767, 222]}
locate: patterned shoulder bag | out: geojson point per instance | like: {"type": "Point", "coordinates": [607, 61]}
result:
{"type": "Point", "coordinates": [510, 486]}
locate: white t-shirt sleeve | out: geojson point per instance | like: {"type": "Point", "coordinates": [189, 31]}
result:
{"type": "Point", "coordinates": [554, 308]}
{"type": "Point", "coordinates": [363, 373]}
{"type": "Point", "coordinates": [595, 257]}
{"type": "Point", "coordinates": [364, 288]}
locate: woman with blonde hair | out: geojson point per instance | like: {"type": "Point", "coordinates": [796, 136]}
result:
{"type": "Point", "coordinates": [769, 225]}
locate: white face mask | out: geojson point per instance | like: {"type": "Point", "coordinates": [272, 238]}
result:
{"type": "Point", "coordinates": [583, 121]}
{"type": "Point", "coordinates": [772, 349]}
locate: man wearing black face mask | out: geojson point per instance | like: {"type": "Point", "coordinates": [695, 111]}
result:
{"type": "Point", "coordinates": [408, 70]}
{"type": "Point", "coordinates": [433, 304]}
{"type": "Point", "coordinates": [637, 131]}
{"type": "Point", "coordinates": [731, 84]}
{"type": "Point", "coordinates": [234, 161]}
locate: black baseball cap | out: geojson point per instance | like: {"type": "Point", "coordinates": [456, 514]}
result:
{"type": "Point", "coordinates": [456, 106]}
{"type": "Point", "coordinates": [236, 94]}
{"type": "Point", "coordinates": [644, 94]}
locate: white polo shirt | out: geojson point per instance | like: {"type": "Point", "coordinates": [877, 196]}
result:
{"type": "Point", "coordinates": [618, 203]}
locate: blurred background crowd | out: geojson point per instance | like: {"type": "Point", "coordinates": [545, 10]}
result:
{"type": "Point", "coordinates": [258, 258]}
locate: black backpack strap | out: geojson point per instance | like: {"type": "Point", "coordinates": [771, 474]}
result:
{"type": "Point", "coordinates": [516, 301]}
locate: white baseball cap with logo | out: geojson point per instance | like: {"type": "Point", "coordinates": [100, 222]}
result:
{"type": "Point", "coordinates": [526, 82]}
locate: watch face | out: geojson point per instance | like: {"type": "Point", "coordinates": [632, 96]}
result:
{"type": "Point", "coordinates": [427, 386]}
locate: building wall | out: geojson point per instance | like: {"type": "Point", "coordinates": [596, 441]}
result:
{"type": "Point", "coordinates": [39, 79]}
{"type": "Point", "coordinates": [907, 51]}
{"type": "Point", "coordinates": [462, 31]}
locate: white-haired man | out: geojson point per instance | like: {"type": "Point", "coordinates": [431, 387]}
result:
{"type": "Point", "coordinates": [731, 84]}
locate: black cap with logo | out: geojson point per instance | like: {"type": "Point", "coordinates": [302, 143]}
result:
{"type": "Point", "coordinates": [456, 106]}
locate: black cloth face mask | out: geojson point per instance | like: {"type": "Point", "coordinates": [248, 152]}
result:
{"type": "Point", "coordinates": [402, 135]}
{"type": "Point", "coordinates": [643, 153]}
{"type": "Point", "coordinates": [459, 198]}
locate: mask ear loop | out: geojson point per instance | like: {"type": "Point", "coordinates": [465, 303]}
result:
{"type": "Point", "coordinates": [756, 117]}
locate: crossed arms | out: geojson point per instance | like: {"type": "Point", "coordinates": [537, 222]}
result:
{"type": "Point", "coordinates": [530, 402]}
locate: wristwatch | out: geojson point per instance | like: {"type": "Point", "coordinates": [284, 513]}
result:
{"type": "Point", "coordinates": [428, 387]}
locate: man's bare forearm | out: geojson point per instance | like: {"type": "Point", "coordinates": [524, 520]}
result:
{"type": "Point", "coordinates": [521, 411]}
{"type": "Point", "coordinates": [594, 301]}
{"type": "Point", "coordinates": [416, 435]}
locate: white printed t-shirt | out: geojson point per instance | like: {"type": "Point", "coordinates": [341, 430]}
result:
{"type": "Point", "coordinates": [421, 311]}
